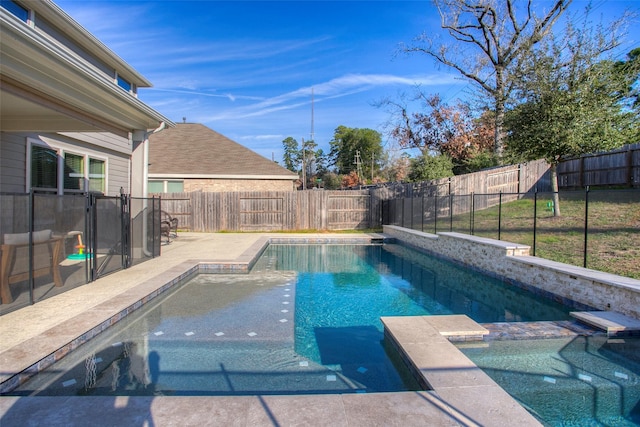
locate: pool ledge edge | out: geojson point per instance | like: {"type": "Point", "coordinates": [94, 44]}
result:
{"type": "Point", "coordinates": [441, 367]}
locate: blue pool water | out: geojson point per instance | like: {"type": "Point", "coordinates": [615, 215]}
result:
{"type": "Point", "coordinates": [580, 381]}
{"type": "Point", "coordinates": [305, 320]}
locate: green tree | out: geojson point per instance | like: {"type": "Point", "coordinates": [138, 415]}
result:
{"type": "Point", "coordinates": [291, 157]}
{"type": "Point", "coordinates": [308, 155]}
{"type": "Point", "coordinates": [347, 143]}
{"type": "Point", "coordinates": [488, 40]}
{"type": "Point", "coordinates": [629, 71]}
{"type": "Point", "coordinates": [574, 102]}
{"type": "Point", "coordinates": [426, 168]}
{"type": "Point", "coordinates": [330, 181]}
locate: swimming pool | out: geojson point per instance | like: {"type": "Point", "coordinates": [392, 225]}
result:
{"type": "Point", "coordinates": [305, 320]}
{"type": "Point", "coordinates": [580, 381]}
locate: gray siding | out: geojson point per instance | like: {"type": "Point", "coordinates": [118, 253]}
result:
{"type": "Point", "coordinates": [105, 140]}
{"type": "Point", "coordinates": [13, 157]}
{"type": "Point", "coordinates": [12, 162]}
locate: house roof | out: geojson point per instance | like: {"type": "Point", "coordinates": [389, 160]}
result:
{"type": "Point", "coordinates": [191, 150]}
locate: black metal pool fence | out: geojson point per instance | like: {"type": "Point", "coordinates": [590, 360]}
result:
{"type": "Point", "coordinates": [54, 243]}
{"type": "Point", "coordinates": [528, 218]}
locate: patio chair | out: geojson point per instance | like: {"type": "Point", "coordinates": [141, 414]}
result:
{"type": "Point", "coordinates": [14, 259]}
{"type": "Point", "coordinates": [168, 226]}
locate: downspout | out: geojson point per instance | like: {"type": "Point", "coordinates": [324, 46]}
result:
{"type": "Point", "coordinates": [145, 186]}
{"type": "Point", "coordinates": [145, 174]}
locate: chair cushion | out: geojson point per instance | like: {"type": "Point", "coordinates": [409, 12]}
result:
{"type": "Point", "coordinates": [23, 238]}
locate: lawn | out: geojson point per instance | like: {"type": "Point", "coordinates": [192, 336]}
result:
{"type": "Point", "coordinates": [613, 228]}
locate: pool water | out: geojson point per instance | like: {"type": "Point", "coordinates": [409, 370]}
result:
{"type": "Point", "coordinates": [581, 381]}
{"type": "Point", "coordinates": [305, 320]}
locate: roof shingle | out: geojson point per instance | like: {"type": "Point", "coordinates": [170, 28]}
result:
{"type": "Point", "coordinates": [194, 149]}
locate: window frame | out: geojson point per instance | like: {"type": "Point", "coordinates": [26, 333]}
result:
{"type": "Point", "coordinates": [29, 169]}
{"type": "Point", "coordinates": [61, 152]}
{"type": "Point", "coordinates": [165, 184]}
{"type": "Point", "coordinates": [105, 162]}
{"type": "Point", "coordinates": [84, 168]}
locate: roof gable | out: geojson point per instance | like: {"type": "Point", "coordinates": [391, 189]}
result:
{"type": "Point", "coordinates": [194, 149]}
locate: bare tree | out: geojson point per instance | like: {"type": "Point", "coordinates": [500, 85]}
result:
{"type": "Point", "coordinates": [499, 36]}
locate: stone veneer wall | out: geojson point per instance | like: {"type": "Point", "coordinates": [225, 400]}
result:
{"type": "Point", "coordinates": [511, 262]}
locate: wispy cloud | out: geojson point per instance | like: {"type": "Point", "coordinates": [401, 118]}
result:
{"type": "Point", "coordinates": [236, 50]}
{"type": "Point", "coordinates": [336, 88]}
{"type": "Point", "coordinates": [228, 96]}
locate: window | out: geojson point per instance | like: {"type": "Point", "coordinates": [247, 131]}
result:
{"type": "Point", "coordinates": [15, 9]}
{"type": "Point", "coordinates": [163, 186]}
{"type": "Point", "coordinates": [124, 84]}
{"type": "Point", "coordinates": [73, 172]}
{"type": "Point", "coordinates": [97, 174]}
{"type": "Point", "coordinates": [175, 186]}
{"type": "Point", "coordinates": [44, 168]}
{"type": "Point", "coordinates": [53, 169]}
{"type": "Point", "coordinates": [155, 187]}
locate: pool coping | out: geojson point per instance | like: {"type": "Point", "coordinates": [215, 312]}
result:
{"type": "Point", "coordinates": [101, 317]}
{"type": "Point", "coordinates": [424, 344]}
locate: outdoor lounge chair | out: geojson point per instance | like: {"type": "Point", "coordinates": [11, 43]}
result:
{"type": "Point", "coordinates": [14, 259]}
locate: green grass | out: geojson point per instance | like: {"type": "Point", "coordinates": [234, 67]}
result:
{"type": "Point", "coordinates": [613, 240]}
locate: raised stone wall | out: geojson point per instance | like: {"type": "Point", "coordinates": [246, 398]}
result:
{"type": "Point", "coordinates": [511, 262]}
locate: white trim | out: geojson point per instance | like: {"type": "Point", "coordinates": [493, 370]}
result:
{"type": "Point", "coordinates": [159, 176]}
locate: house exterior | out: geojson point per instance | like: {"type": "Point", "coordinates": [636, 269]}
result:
{"type": "Point", "coordinates": [191, 157]}
{"type": "Point", "coordinates": [70, 117]}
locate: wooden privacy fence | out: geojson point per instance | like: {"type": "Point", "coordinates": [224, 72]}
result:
{"type": "Point", "coordinates": [355, 209]}
{"type": "Point", "coordinates": [522, 178]}
{"type": "Point", "coordinates": [272, 211]}
{"type": "Point", "coordinates": [337, 210]}
{"type": "Point", "coordinates": [617, 167]}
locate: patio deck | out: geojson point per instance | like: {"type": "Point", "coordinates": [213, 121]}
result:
{"type": "Point", "coordinates": [30, 334]}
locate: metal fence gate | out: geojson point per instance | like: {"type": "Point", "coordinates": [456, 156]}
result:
{"type": "Point", "coordinates": [53, 243]}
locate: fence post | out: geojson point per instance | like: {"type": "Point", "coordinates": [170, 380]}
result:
{"type": "Point", "coordinates": [435, 216]}
{"type": "Point", "coordinates": [500, 215]}
{"type": "Point", "coordinates": [411, 222]}
{"type": "Point", "coordinates": [123, 225]}
{"type": "Point", "coordinates": [422, 214]}
{"type": "Point", "coordinates": [154, 222]}
{"type": "Point", "coordinates": [471, 213]}
{"type": "Point", "coordinates": [450, 212]}
{"type": "Point", "coordinates": [535, 218]}
{"type": "Point", "coordinates": [586, 226]}
{"type": "Point", "coordinates": [88, 242]}
{"type": "Point", "coordinates": [31, 227]}
{"type": "Point", "coordinates": [94, 236]}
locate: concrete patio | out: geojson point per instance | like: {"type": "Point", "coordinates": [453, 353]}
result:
{"type": "Point", "coordinates": [36, 332]}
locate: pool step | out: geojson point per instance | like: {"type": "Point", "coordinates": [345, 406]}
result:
{"type": "Point", "coordinates": [615, 324]}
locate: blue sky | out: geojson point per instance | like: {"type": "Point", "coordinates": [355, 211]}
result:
{"type": "Point", "coordinates": [247, 69]}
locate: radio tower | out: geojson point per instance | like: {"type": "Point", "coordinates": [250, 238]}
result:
{"type": "Point", "coordinates": [312, 134]}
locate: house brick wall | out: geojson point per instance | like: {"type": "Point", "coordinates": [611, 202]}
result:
{"type": "Point", "coordinates": [224, 185]}
{"type": "Point", "coordinates": [511, 262]}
